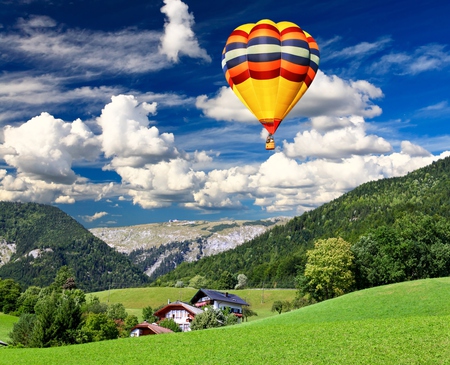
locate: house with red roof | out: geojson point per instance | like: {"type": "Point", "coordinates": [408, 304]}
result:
{"type": "Point", "coordinates": [145, 329]}
{"type": "Point", "coordinates": [182, 313]}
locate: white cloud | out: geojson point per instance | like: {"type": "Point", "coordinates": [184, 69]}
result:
{"type": "Point", "coordinates": [91, 218]}
{"type": "Point", "coordinates": [225, 106]}
{"type": "Point", "coordinates": [44, 148]}
{"type": "Point", "coordinates": [179, 38]}
{"type": "Point", "coordinates": [340, 143]}
{"type": "Point", "coordinates": [360, 50]}
{"type": "Point", "coordinates": [126, 137]}
{"type": "Point", "coordinates": [414, 150]}
{"type": "Point", "coordinates": [424, 58]}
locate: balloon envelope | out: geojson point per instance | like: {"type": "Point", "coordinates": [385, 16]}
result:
{"type": "Point", "coordinates": [269, 66]}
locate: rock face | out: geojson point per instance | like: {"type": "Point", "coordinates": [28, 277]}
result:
{"type": "Point", "coordinates": [158, 248]}
{"type": "Point", "coordinates": [6, 251]}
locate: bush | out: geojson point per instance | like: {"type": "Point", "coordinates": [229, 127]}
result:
{"type": "Point", "coordinates": [170, 324]}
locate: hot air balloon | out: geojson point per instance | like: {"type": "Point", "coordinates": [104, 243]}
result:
{"type": "Point", "coordinates": [269, 66]}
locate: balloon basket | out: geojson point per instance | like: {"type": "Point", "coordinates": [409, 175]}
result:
{"type": "Point", "coordinates": [270, 145]}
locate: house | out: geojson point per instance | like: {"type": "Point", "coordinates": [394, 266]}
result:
{"type": "Point", "coordinates": [219, 300]}
{"type": "Point", "coordinates": [145, 329]}
{"type": "Point", "coordinates": [182, 313]}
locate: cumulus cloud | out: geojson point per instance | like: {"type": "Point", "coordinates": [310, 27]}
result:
{"type": "Point", "coordinates": [126, 137]}
{"type": "Point", "coordinates": [179, 38]}
{"type": "Point", "coordinates": [414, 150]}
{"type": "Point", "coordinates": [44, 148]}
{"type": "Point", "coordinates": [339, 143]}
{"type": "Point", "coordinates": [224, 106]}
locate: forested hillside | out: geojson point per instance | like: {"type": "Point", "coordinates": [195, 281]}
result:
{"type": "Point", "coordinates": [43, 238]}
{"type": "Point", "coordinates": [413, 211]}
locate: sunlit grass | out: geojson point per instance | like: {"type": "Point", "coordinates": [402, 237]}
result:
{"type": "Point", "coordinates": [407, 323]}
{"type": "Point", "coordinates": [6, 325]}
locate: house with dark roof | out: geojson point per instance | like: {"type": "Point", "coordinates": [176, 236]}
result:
{"type": "Point", "coordinates": [182, 313]}
{"type": "Point", "coordinates": [219, 300]}
{"type": "Point", "coordinates": [145, 329]}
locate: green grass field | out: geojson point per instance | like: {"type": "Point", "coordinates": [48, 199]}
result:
{"type": "Point", "coordinates": [6, 325]}
{"type": "Point", "coordinates": [407, 323]}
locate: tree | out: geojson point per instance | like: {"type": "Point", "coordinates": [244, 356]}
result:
{"type": "Point", "coordinates": [170, 324]}
{"type": "Point", "coordinates": [242, 282]}
{"type": "Point", "coordinates": [198, 282]}
{"type": "Point", "coordinates": [130, 322]}
{"type": "Point", "coordinates": [213, 317]}
{"type": "Point", "coordinates": [63, 275]}
{"type": "Point", "coordinates": [226, 281]}
{"type": "Point", "coordinates": [28, 299]}
{"type": "Point", "coordinates": [23, 330]}
{"type": "Point", "coordinates": [247, 312]}
{"type": "Point", "coordinates": [9, 293]}
{"type": "Point", "coordinates": [147, 314]}
{"type": "Point", "coordinates": [328, 271]}
{"type": "Point", "coordinates": [281, 306]}
{"type": "Point", "coordinates": [117, 311]}
{"type": "Point", "coordinates": [98, 327]}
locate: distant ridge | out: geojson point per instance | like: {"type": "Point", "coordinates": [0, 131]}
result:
{"type": "Point", "coordinates": [36, 240]}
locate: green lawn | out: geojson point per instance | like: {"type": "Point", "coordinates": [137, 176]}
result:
{"type": "Point", "coordinates": [6, 325]}
{"type": "Point", "coordinates": [407, 323]}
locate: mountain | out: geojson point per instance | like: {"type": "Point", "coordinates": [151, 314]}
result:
{"type": "Point", "coordinates": [160, 247]}
{"type": "Point", "coordinates": [274, 258]}
{"type": "Point", "coordinates": [36, 240]}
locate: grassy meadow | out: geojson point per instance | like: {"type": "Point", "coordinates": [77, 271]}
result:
{"type": "Point", "coordinates": [407, 323]}
{"type": "Point", "coordinates": [6, 325]}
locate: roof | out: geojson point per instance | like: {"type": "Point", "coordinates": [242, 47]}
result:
{"type": "Point", "coordinates": [219, 296]}
{"type": "Point", "coordinates": [191, 309]}
{"type": "Point", "coordinates": [153, 327]}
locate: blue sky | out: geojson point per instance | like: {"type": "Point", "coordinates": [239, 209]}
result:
{"type": "Point", "coordinates": [118, 112]}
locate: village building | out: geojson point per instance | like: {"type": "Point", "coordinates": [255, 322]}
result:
{"type": "Point", "coordinates": [219, 300]}
{"type": "Point", "coordinates": [182, 313]}
{"type": "Point", "coordinates": [145, 329]}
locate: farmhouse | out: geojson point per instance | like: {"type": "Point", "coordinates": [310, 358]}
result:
{"type": "Point", "coordinates": [182, 313]}
{"type": "Point", "coordinates": [145, 329]}
{"type": "Point", "coordinates": [219, 300]}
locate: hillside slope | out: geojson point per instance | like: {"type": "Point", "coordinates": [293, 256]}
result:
{"type": "Point", "coordinates": [407, 323]}
{"type": "Point", "coordinates": [39, 239]}
{"type": "Point", "coordinates": [159, 247]}
{"type": "Point", "coordinates": [274, 258]}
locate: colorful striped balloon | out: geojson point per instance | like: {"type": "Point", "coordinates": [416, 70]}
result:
{"type": "Point", "coordinates": [270, 66]}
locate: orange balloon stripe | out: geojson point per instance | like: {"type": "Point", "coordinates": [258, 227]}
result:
{"type": "Point", "coordinates": [264, 33]}
{"type": "Point", "coordinates": [293, 33]}
{"type": "Point", "coordinates": [299, 70]}
{"type": "Point", "coordinates": [264, 66]}
{"type": "Point", "coordinates": [237, 70]}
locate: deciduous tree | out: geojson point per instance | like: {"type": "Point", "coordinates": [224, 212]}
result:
{"type": "Point", "coordinates": [328, 271]}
